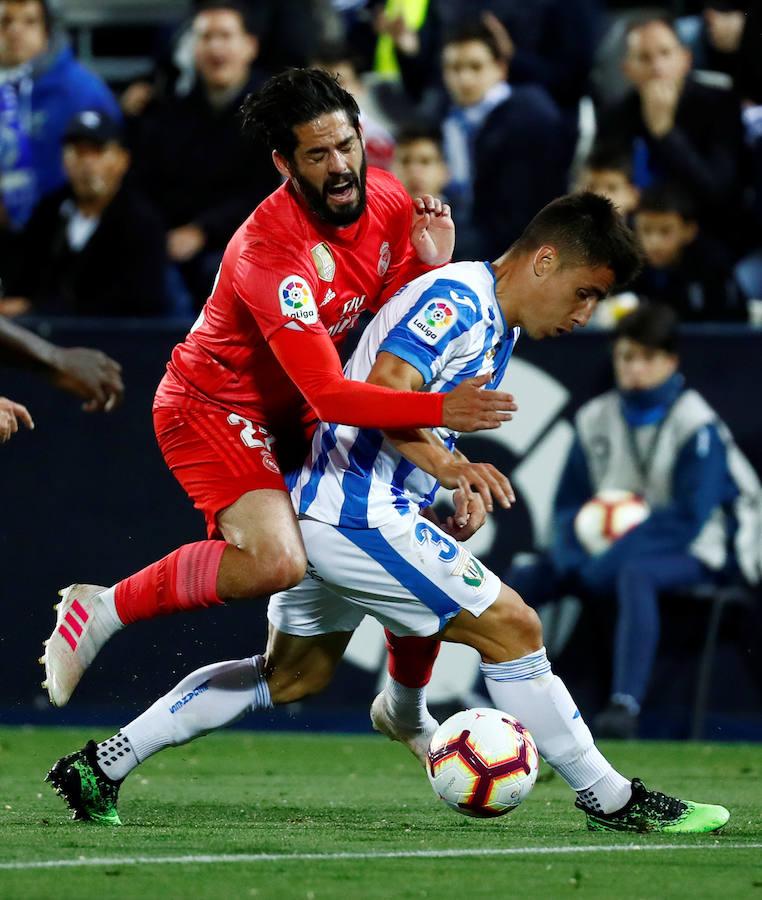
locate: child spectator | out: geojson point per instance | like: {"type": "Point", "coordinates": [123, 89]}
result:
{"type": "Point", "coordinates": [419, 162]}
{"type": "Point", "coordinates": [504, 145]}
{"type": "Point", "coordinates": [608, 172]}
{"type": "Point", "coordinates": [684, 269]}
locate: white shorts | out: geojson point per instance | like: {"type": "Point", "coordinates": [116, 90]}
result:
{"type": "Point", "coordinates": [409, 575]}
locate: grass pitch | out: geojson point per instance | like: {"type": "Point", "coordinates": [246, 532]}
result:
{"type": "Point", "coordinates": [248, 814]}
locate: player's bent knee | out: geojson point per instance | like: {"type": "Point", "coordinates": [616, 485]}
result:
{"type": "Point", "coordinates": [273, 567]}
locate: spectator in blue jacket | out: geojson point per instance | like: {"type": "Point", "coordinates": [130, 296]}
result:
{"type": "Point", "coordinates": [42, 87]}
{"type": "Point", "coordinates": [661, 440]}
{"type": "Point", "coordinates": [504, 144]}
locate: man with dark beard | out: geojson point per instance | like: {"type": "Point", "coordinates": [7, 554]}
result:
{"type": "Point", "coordinates": [259, 368]}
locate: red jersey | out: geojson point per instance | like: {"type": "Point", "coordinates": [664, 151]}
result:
{"type": "Point", "coordinates": [284, 268]}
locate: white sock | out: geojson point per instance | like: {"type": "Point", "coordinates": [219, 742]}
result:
{"type": "Point", "coordinates": [116, 756]}
{"type": "Point", "coordinates": [527, 689]}
{"type": "Point", "coordinates": [207, 699]}
{"type": "Point", "coordinates": [108, 599]}
{"type": "Point", "coordinates": [407, 705]}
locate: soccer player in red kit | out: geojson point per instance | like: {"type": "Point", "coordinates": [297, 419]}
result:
{"type": "Point", "coordinates": [259, 367]}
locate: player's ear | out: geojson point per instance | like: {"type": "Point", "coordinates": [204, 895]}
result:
{"type": "Point", "coordinates": [544, 261]}
{"type": "Point", "coordinates": [281, 164]}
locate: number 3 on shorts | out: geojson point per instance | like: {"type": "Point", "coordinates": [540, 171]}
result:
{"type": "Point", "coordinates": [425, 533]}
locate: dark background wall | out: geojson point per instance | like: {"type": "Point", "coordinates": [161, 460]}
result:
{"type": "Point", "coordinates": [87, 498]}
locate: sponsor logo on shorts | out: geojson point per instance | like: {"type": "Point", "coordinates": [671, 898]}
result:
{"type": "Point", "coordinates": [296, 300]}
{"type": "Point", "coordinates": [434, 321]}
{"type": "Point", "coordinates": [183, 701]}
{"type": "Point", "coordinates": [324, 261]}
{"type": "Point", "coordinates": [384, 258]}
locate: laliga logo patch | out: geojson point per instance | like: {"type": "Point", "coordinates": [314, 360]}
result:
{"type": "Point", "coordinates": [435, 320]}
{"type": "Point", "coordinates": [384, 258]}
{"type": "Point", "coordinates": [296, 300]}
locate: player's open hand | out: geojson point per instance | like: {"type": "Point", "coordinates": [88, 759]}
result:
{"type": "Point", "coordinates": [469, 408]}
{"type": "Point", "coordinates": [11, 414]}
{"type": "Point", "coordinates": [91, 375]}
{"type": "Point", "coordinates": [433, 231]}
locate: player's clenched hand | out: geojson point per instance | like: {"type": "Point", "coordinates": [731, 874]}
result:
{"type": "Point", "coordinates": [477, 478]}
{"type": "Point", "coordinates": [469, 516]}
{"type": "Point", "coordinates": [11, 414]}
{"type": "Point", "coordinates": [91, 375]}
{"type": "Point", "coordinates": [468, 408]}
{"type": "Point", "coordinates": [433, 231]}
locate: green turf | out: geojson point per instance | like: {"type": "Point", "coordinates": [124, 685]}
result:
{"type": "Point", "coordinates": [242, 792]}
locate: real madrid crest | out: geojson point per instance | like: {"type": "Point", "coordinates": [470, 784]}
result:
{"type": "Point", "coordinates": [324, 261]}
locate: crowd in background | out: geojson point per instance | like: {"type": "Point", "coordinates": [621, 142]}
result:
{"type": "Point", "coordinates": [118, 200]}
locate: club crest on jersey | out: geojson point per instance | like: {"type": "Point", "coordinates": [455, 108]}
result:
{"type": "Point", "coordinates": [296, 300]}
{"type": "Point", "coordinates": [324, 261]}
{"type": "Point", "coordinates": [433, 321]}
{"type": "Point", "coordinates": [384, 258]}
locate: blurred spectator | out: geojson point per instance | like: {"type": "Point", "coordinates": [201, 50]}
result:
{"type": "Point", "coordinates": [96, 247]}
{"type": "Point", "coordinates": [660, 440]}
{"type": "Point", "coordinates": [503, 144]}
{"type": "Point", "coordinates": [547, 42]}
{"type": "Point", "coordinates": [679, 130]}
{"type": "Point", "coordinates": [419, 162]}
{"type": "Point", "coordinates": [41, 88]}
{"type": "Point", "coordinates": [608, 172]}
{"type": "Point", "coordinates": [191, 157]}
{"type": "Point", "coordinates": [714, 38]}
{"type": "Point", "coordinates": [684, 269]}
{"type": "Point", "coordinates": [379, 143]}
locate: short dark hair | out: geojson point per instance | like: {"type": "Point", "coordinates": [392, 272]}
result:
{"type": "Point", "coordinates": [586, 230]}
{"type": "Point", "coordinates": [612, 158]}
{"type": "Point", "coordinates": [409, 134]}
{"type": "Point", "coordinates": [251, 24]}
{"type": "Point", "coordinates": [653, 325]}
{"type": "Point", "coordinates": [469, 30]}
{"type": "Point", "coordinates": [293, 98]}
{"type": "Point", "coordinates": [665, 197]}
{"type": "Point", "coordinates": [640, 21]}
{"type": "Point", "coordinates": [47, 14]}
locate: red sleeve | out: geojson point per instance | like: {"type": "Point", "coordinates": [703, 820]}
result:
{"type": "Point", "coordinates": [278, 288]}
{"type": "Point", "coordinates": [311, 362]}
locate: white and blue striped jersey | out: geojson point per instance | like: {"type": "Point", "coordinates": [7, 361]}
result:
{"type": "Point", "coordinates": [449, 326]}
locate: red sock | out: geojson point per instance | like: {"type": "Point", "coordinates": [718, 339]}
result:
{"type": "Point", "coordinates": [411, 659]}
{"type": "Point", "coordinates": [186, 579]}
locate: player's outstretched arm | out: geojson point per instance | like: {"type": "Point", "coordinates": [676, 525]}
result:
{"type": "Point", "coordinates": [88, 374]}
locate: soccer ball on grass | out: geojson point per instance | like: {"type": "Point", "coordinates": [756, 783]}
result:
{"type": "Point", "coordinates": [482, 762]}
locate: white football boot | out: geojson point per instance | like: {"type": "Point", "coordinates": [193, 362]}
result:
{"type": "Point", "coordinates": [417, 739]}
{"type": "Point", "coordinates": [83, 625]}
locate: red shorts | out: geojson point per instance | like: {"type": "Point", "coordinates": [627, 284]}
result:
{"type": "Point", "coordinates": [216, 456]}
